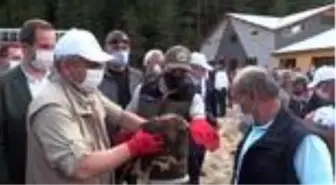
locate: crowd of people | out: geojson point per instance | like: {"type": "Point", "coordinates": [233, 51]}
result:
{"type": "Point", "coordinates": [74, 112]}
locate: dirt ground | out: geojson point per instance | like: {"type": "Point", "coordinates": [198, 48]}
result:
{"type": "Point", "coordinates": [218, 165]}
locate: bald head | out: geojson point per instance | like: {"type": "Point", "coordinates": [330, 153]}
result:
{"type": "Point", "coordinates": [254, 80]}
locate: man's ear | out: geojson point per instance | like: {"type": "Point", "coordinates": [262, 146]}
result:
{"type": "Point", "coordinates": [28, 52]}
{"type": "Point", "coordinates": [255, 96]}
{"type": "Point", "coordinates": [65, 68]}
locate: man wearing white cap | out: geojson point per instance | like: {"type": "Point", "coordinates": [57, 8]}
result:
{"type": "Point", "coordinates": [67, 136]}
{"type": "Point", "coordinates": [321, 107]}
{"type": "Point", "coordinates": [200, 70]}
{"type": "Point", "coordinates": [323, 85]}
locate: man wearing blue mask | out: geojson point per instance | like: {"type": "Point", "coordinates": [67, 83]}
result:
{"type": "Point", "coordinates": [120, 80]}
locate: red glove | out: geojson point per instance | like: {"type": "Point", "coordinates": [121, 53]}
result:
{"type": "Point", "coordinates": [204, 134]}
{"type": "Point", "coordinates": [122, 136]}
{"type": "Point", "coordinates": [144, 143]}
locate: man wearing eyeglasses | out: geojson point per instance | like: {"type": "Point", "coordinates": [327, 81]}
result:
{"type": "Point", "coordinates": [120, 80]}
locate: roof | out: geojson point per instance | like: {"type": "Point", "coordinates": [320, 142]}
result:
{"type": "Point", "coordinates": [323, 40]}
{"type": "Point", "coordinates": [260, 20]}
{"type": "Point", "coordinates": [213, 41]}
{"type": "Point", "coordinates": [271, 22]}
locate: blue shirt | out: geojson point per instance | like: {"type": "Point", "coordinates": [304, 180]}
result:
{"type": "Point", "coordinates": [312, 161]}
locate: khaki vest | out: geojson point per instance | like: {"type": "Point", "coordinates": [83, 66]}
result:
{"type": "Point", "coordinates": [39, 169]}
{"type": "Point", "coordinates": [149, 108]}
{"type": "Point", "coordinates": [154, 107]}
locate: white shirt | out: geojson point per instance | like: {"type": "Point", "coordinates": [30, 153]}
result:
{"type": "Point", "coordinates": [203, 87]}
{"type": "Point", "coordinates": [35, 85]}
{"type": "Point", "coordinates": [325, 116]}
{"type": "Point", "coordinates": [202, 84]}
{"type": "Point", "coordinates": [221, 80]}
{"type": "Point", "coordinates": [197, 107]}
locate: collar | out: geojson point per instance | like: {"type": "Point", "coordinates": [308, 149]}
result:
{"type": "Point", "coordinates": [33, 79]}
{"type": "Point", "coordinates": [263, 127]}
{"type": "Point", "coordinates": [82, 103]}
{"type": "Point", "coordinates": [110, 72]}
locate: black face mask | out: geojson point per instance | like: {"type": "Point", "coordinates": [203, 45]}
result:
{"type": "Point", "coordinates": [297, 93]}
{"type": "Point", "coordinates": [177, 82]}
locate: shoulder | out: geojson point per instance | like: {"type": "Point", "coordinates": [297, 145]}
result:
{"type": "Point", "coordinates": [53, 94]}
{"type": "Point", "coordinates": [325, 116]}
{"type": "Point", "coordinates": [11, 75]}
{"type": "Point", "coordinates": [314, 140]}
{"type": "Point", "coordinates": [135, 72]}
{"type": "Point", "coordinates": [313, 145]}
{"type": "Point", "coordinates": [295, 127]}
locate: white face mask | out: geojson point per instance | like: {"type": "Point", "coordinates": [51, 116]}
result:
{"type": "Point", "coordinates": [197, 81]}
{"type": "Point", "coordinates": [92, 80]}
{"type": "Point", "coordinates": [157, 69]}
{"type": "Point", "coordinates": [14, 63]}
{"type": "Point", "coordinates": [121, 58]}
{"type": "Point", "coordinates": [44, 59]}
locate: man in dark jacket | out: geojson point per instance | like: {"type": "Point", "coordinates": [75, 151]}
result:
{"type": "Point", "coordinates": [120, 81]}
{"type": "Point", "coordinates": [17, 88]}
{"type": "Point", "coordinates": [174, 92]}
{"type": "Point", "coordinates": [277, 149]}
{"type": "Point", "coordinates": [120, 78]}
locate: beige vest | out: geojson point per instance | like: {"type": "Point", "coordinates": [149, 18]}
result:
{"type": "Point", "coordinates": [92, 127]}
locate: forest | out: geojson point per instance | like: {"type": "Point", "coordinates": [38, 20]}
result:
{"type": "Point", "coordinates": [149, 23]}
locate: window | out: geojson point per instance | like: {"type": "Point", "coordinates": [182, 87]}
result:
{"type": "Point", "coordinates": [289, 32]}
{"type": "Point", "coordinates": [251, 61]}
{"type": "Point", "coordinates": [13, 36]}
{"type": "Point", "coordinates": [296, 29]}
{"type": "Point", "coordinates": [233, 64]}
{"type": "Point", "coordinates": [321, 61]}
{"type": "Point", "coordinates": [254, 32]}
{"type": "Point", "coordinates": [5, 36]}
{"type": "Point", "coordinates": [233, 38]}
{"type": "Point", "coordinates": [288, 63]}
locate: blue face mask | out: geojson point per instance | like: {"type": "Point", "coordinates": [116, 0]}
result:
{"type": "Point", "coordinates": [121, 58]}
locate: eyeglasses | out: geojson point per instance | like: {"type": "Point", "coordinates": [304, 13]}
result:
{"type": "Point", "coordinates": [178, 72]}
{"type": "Point", "coordinates": [16, 58]}
{"type": "Point", "coordinates": [117, 41]}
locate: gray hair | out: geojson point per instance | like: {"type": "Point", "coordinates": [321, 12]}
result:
{"type": "Point", "coordinates": [253, 79]}
{"type": "Point", "coordinates": [151, 53]}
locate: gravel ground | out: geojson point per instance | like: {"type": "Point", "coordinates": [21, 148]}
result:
{"type": "Point", "coordinates": [218, 165]}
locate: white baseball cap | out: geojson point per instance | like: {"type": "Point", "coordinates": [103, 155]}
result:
{"type": "Point", "coordinates": [81, 43]}
{"type": "Point", "coordinates": [199, 59]}
{"type": "Point", "coordinates": [324, 73]}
